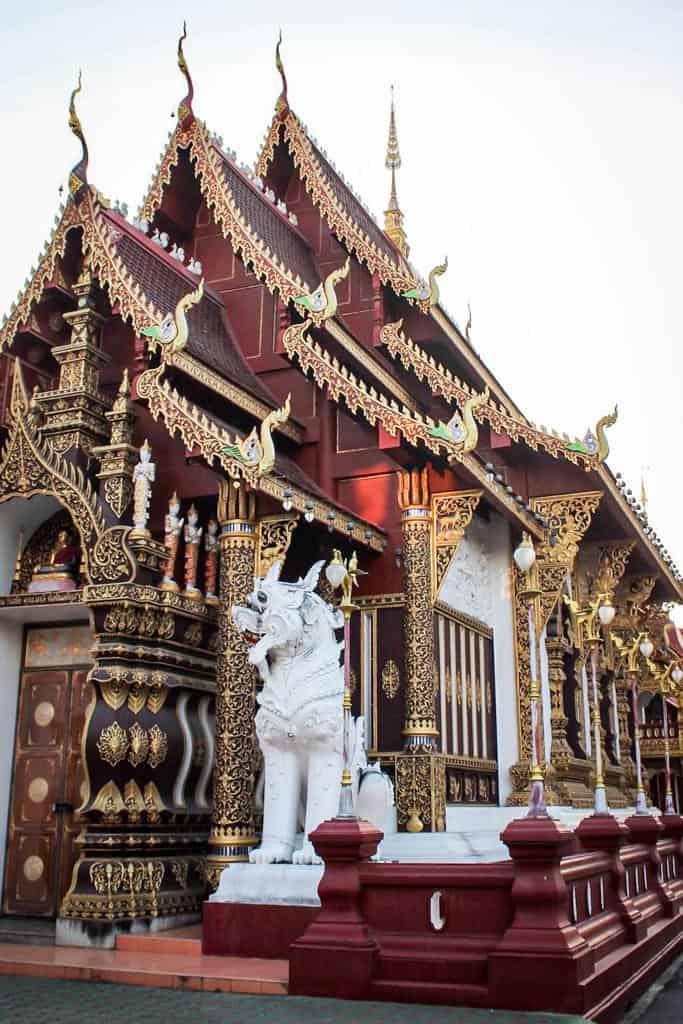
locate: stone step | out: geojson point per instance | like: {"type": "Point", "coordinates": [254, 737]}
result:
{"type": "Point", "coordinates": [168, 970]}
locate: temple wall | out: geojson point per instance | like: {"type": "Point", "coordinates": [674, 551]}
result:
{"type": "Point", "coordinates": [13, 516]}
{"type": "Point", "coordinates": [478, 584]}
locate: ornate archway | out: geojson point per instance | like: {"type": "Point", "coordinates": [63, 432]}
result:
{"type": "Point", "coordinates": [30, 466]}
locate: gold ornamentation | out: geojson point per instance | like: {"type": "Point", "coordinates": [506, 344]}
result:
{"type": "Point", "coordinates": [29, 466]}
{"type": "Point", "coordinates": [321, 305]}
{"type": "Point", "coordinates": [38, 789]}
{"type": "Point", "coordinates": [390, 679]}
{"type": "Point", "coordinates": [193, 634]}
{"type": "Point", "coordinates": [394, 271]}
{"type": "Point", "coordinates": [420, 724]}
{"type": "Point", "coordinates": [232, 823]}
{"type": "Point", "coordinates": [259, 451]}
{"type": "Point", "coordinates": [109, 802]}
{"type": "Point", "coordinates": [462, 430]}
{"type": "Point", "coordinates": [154, 805]}
{"type": "Point", "coordinates": [173, 330]}
{"type": "Point", "coordinates": [139, 747]}
{"type": "Point", "coordinates": [118, 490]}
{"type": "Point", "coordinates": [158, 747]}
{"type": "Point", "coordinates": [132, 798]}
{"type": "Point", "coordinates": [33, 868]}
{"type": "Point", "coordinates": [112, 560]}
{"type": "Point", "coordinates": [442, 382]}
{"type": "Point", "coordinates": [44, 713]}
{"type": "Point", "coordinates": [568, 517]}
{"type": "Point", "coordinates": [196, 430]}
{"type": "Point", "coordinates": [112, 744]}
{"type": "Point", "coordinates": [179, 869]}
{"type": "Point", "coordinates": [273, 540]}
{"type": "Point", "coordinates": [230, 218]}
{"type": "Point", "coordinates": [427, 295]}
{"type": "Point", "coordinates": [452, 513]}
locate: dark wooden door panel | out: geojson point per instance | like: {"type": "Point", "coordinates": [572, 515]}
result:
{"type": "Point", "coordinates": [48, 770]}
{"type": "Point", "coordinates": [31, 868]}
{"type": "Point", "coordinates": [42, 716]}
{"type": "Point", "coordinates": [37, 786]}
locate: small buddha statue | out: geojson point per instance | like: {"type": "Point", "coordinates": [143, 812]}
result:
{"type": "Point", "coordinates": [59, 573]}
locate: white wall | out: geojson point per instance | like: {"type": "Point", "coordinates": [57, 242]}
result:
{"type": "Point", "coordinates": [478, 584]}
{"type": "Point", "coordinates": [13, 516]}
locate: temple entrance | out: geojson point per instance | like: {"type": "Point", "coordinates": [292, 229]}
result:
{"type": "Point", "coordinates": [48, 780]}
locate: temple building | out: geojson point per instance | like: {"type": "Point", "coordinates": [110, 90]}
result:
{"type": "Point", "coordinates": [251, 370]}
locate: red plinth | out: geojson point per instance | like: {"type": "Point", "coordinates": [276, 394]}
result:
{"type": "Point", "coordinates": [647, 829]}
{"type": "Point", "coordinates": [604, 833]}
{"type": "Point", "coordinates": [262, 930]}
{"type": "Point", "coordinates": [336, 954]}
{"type": "Point", "coordinates": [541, 960]}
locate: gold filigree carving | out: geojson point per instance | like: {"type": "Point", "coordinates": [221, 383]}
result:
{"type": "Point", "coordinates": [29, 466]}
{"type": "Point", "coordinates": [273, 540]}
{"type": "Point", "coordinates": [442, 382]}
{"type": "Point", "coordinates": [158, 747]}
{"type": "Point", "coordinates": [109, 802]}
{"type": "Point", "coordinates": [139, 746]}
{"type": "Point", "coordinates": [112, 744]}
{"type": "Point", "coordinates": [390, 271]}
{"type": "Point", "coordinates": [452, 513]}
{"type": "Point", "coordinates": [390, 679]}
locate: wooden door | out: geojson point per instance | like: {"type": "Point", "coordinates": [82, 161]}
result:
{"type": "Point", "coordinates": [48, 772]}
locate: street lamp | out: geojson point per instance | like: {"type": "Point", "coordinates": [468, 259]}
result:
{"type": "Point", "coordinates": [642, 645]}
{"type": "Point", "coordinates": [525, 559]}
{"type": "Point", "coordinates": [343, 573]}
{"type": "Point", "coordinates": [664, 678]}
{"type": "Point", "coordinates": [586, 626]}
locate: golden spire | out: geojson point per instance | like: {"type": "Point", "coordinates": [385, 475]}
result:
{"type": "Point", "coordinates": [393, 217]}
{"type": "Point", "coordinates": [78, 179]}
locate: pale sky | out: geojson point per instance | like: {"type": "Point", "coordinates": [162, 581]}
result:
{"type": "Point", "coordinates": [542, 150]}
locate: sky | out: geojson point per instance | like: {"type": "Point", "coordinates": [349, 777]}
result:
{"type": "Point", "coordinates": [541, 150]}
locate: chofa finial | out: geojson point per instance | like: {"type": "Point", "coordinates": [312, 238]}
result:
{"type": "Point", "coordinates": [282, 104]}
{"type": "Point", "coordinates": [185, 112]}
{"type": "Point", "coordinates": [78, 178]}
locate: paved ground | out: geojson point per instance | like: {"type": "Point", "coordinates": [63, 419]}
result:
{"type": "Point", "coordinates": [40, 1000]}
{"type": "Point", "coordinates": [663, 1001]}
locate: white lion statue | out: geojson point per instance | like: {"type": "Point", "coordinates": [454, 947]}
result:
{"type": "Point", "coordinates": [299, 723]}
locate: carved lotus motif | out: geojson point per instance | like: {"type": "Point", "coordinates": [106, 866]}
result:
{"type": "Point", "coordinates": [158, 746]}
{"type": "Point", "coordinates": [113, 744]}
{"type": "Point", "coordinates": [139, 745]}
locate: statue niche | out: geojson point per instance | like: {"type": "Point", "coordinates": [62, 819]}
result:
{"type": "Point", "coordinates": [58, 572]}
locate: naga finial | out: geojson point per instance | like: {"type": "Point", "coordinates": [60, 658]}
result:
{"type": "Point", "coordinates": [468, 325]}
{"type": "Point", "coordinates": [185, 112]}
{"type": "Point", "coordinates": [282, 104]}
{"type": "Point", "coordinates": [606, 421]}
{"type": "Point", "coordinates": [173, 331]}
{"type": "Point", "coordinates": [322, 304]}
{"type": "Point", "coordinates": [462, 430]}
{"type": "Point", "coordinates": [427, 295]}
{"type": "Point", "coordinates": [256, 451]}
{"type": "Point", "coordinates": [78, 178]}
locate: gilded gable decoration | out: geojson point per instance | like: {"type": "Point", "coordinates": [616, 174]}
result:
{"type": "Point", "coordinates": [29, 466]}
{"type": "Point", "coordinates": [185, 112]}
{"type": "Point", "coordinates": [452, 514]}
{"type": "Point", "coordinates": [273, 539]}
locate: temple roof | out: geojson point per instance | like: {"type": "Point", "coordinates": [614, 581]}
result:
{"type": "Point", "coordinates": [259, 233]}
{"type": "Point", "coordinates": [164, 281]}
{"type": "Point", "coordinates": [343, 211]}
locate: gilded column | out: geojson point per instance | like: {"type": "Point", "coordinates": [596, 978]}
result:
{"type": "Point", "coordinates": [420, 722]}
{"type": "Point", "coordinates": [556, 647]}
{"type": "Point", "coordinates": [232, 823]}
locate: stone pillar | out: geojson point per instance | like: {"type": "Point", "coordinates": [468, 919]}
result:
{"type": "Point", "coordinates": [420, 730]}
{"type": "Point", "coordinates": [232, 821]}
